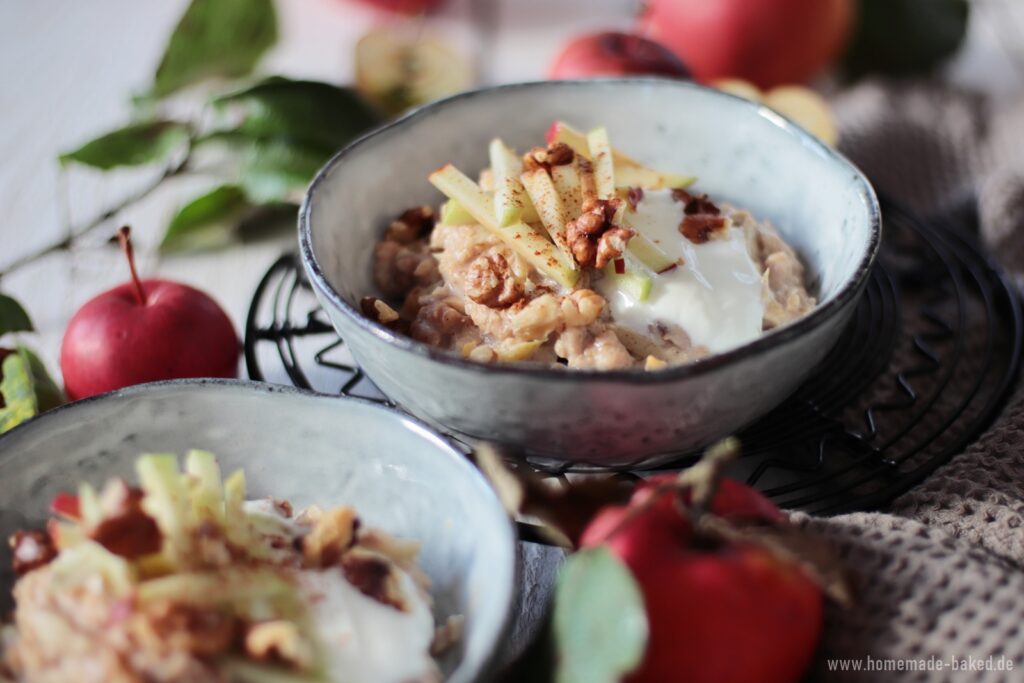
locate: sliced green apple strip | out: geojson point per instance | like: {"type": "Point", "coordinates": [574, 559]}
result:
{"type": "Point", "coordinates": [636, 286]}
{"type": "Point", "coordinates": [588, 185]}
{"type": "Point", "coordinates": [524, 239]}
{"type": "Point", "coordinates": [647, 252]}
{"type": "Point", "coordinates": [560, 131]}
{"type": "Point", "coordinates": [604, 166]}
{"type": "Point", "coordinates": [509, 195]}
{"type": "Point", "coordinates": [566, 179]}
{"type": "Point", "coordinates": [649, 179]}
{"type": "Point", "coordinates": [553, 215]}
{"type": "Point", "coordinates": [453, 213]}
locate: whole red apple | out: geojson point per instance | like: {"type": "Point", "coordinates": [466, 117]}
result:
{"type": "Point", "coordinates": [766, 42]}
{"type": "Point", "coordinates": [615, 54]}
{"type": "Point", "coordinates": [143, 331]}
{"type": "Point", "coordinates": [716, 611]}
{"type": "Point", "coordinates": [404, 6]}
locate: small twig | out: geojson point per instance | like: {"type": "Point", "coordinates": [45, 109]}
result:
{"type": "Point", "coordinates": [98, 221]}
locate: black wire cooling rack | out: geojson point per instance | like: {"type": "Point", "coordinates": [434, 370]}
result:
{"type": "Point", "coordinates": [923, 367]}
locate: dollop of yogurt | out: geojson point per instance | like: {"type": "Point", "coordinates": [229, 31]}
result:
{"type": "Point", "coordinates": [365, 641]}
{"type": "Point", "coordinates": [715, 296]}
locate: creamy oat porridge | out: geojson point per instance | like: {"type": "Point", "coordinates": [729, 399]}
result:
{"type": "Point", "coordinates": [577, 255]}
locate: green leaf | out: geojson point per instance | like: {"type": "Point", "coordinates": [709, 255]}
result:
{"type": "Point", "coordinates": [13, 317]}
{"type": "Point", "coordinates": [208, 221]}
{"type": "Point", "coordinates": [26, 389]}
{"type": "Point", "coordinates": [139, 143]}
{"type": "Point", "coordinates": [903, 37]}
{"type": "Point", "coordinates": [272, 169]}
{"type": "Point", "coordinates": [216, 38]}
{"type": "Point", "coordinates": [307, 113]}
{"type": "Point", "coordinates": [600, 623]}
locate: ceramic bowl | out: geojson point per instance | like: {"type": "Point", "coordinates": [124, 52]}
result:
{"type": "Point", "coordinates": [742, 153]}
{"type": "Point", "coordinates": [399, 475]}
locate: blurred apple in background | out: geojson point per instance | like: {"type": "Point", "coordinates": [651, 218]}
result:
{"type": "Point", "coordinates": [404, 6]}
{"type": "Point", "coordinates": [615, 54]}
{"type": "Point", "coordinates": [766, 42]}
{"type": "Point", "coordinates": [399, 67]}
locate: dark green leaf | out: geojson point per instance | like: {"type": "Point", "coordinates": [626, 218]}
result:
{"type": "Point", "coordinates": [600, 622]}
{"type": "Point", "coordinates": [208, 221]}
{"type": "Point", "coordinates": [902, 37]}
{"type": "Point", "coordinates": [307, 113]}
{"type": "Point", "coordinates": [13, 317]}
{"type": "Point", "coordinates": [216, 38]}
{"type": "Point", "coordinates": [272, 169]}
{"type": "Point", "coordinates": [139, 143]}
{"type": "Point", "coordinates": [26, 389]}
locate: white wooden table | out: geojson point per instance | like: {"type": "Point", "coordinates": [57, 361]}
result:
{"type": "Point", "coordinates": [69, 67]}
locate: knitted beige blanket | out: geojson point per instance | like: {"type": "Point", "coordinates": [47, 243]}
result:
{"type": "Point", "coordinates": [940, 576]}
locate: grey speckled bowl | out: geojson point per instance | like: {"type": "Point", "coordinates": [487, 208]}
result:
{"type": "Point", "coordinates": [398, 474]}
{"type": "Point", "coordinates": [742, 153]}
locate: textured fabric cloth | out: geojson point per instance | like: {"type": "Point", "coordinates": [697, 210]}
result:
{"type": "Point", "coordinates": [939, 575]}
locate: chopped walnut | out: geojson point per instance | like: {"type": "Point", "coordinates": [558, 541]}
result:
{"type": "Point", "coordinates": [634, 196]}
{"type": "Point", "coordinates": [333, 534]}
{"type": "Point", "coordinates": [378, 311]}
{"type": "Point", "coordinates": [30, 550]}
{"type": "Point", "coordinates": [556, 154]}
{"type": "Point", "coordinates": [490, 282]}
{"type": "Point", "coordinates": [126, 529]}
{"type": "Point", "coordinates": [701, 219]}
{"type": "Point", "coordinates": [438, 322]}
{"type": "Point", "coordinates": [582, 307]}
{"type": "Point", "coordinates": [595, 241]}
{"type": "Point", "coordinates": [372, 575]}
{"type": "Point", "coordinates": [198, 631]}
{"type": "Point", "coordinates": [701, 228]}
{"type": "Point", "coordinates": [279, 642]}
{"type": "Point", "coordinates": [413, 224]}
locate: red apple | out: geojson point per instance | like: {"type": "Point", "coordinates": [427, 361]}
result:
{"type": "Point", "coordinates": [615, 54]}
{"type": "Point", "coordinates": [716, 611]}
{"type": "Point", "coordinates": [404, 6]}
{"type": "Point", "coordinates": [143, 331]}
{"type": "Point", "coordinates": [767, 42]}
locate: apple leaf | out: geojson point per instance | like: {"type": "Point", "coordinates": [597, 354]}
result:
{"type": "Point", "coordinates": [208, 221]}
{"type": "Point", "coordinates": [902, 37]}
{"type": "Point", "coordinates": [26, 389]}
{"type": "Point", "coordinates": [272, 169]}
{"type": "Point", "coordinates": [13, 317]}
{"type": "Point", "coordinates": [307, 113]}
{"type": "Point", "coordinates": [216, 38]}
{"type": "Point", "coordinates": [565, 510]}
{"type": "Point", "coordinates": [600, 623]}
{"type": "Point", "coordinates": [133, 145]}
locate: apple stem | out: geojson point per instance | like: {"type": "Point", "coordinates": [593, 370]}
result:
{"type": "Point", "coordinates": [124, 236]}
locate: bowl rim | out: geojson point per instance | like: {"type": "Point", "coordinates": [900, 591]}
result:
{"type": "Point", "coordinates": [458, 459]}
{"type": "Point", "coordinates": [769, 340]}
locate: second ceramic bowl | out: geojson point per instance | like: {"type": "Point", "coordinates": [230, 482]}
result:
{"type": "Point", "coordinates": [742, 153]}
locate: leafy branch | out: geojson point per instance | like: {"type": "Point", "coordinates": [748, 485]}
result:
{"type": "Point", "coordinates": [268, 135]}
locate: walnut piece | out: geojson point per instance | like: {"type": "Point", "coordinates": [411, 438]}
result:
{"type": "Point", "coordinates": [555, 154]}
{"type": "Point", "coordinates": [333, 534]}
{"type": "Point", "coordinates": [595, 241]}
{"type": "Point", "coordinates": [378, 311]}
{"type": "Point", "coordinates": [411, 225]}
{"type": "Point", "coordinates": [372, 575]}
{"type": "Point", "coordinates": [490, 282]}
{"type": "Point", "coordinates": [126, 529]}
{"type": "Point", "coordinates": [701, 219]}
{"type": "Point", "coordinates": [279, 641]}
{"type": "Point", "coordinates": [192, 629]}
{"type": "Point", "coordinates": [30, 550]}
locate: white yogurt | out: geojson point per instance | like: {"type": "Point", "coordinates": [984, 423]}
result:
{"type": "Point", "coordinates": [715, 297]}
{"type": "Point", "coordinates": [363, 640]}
